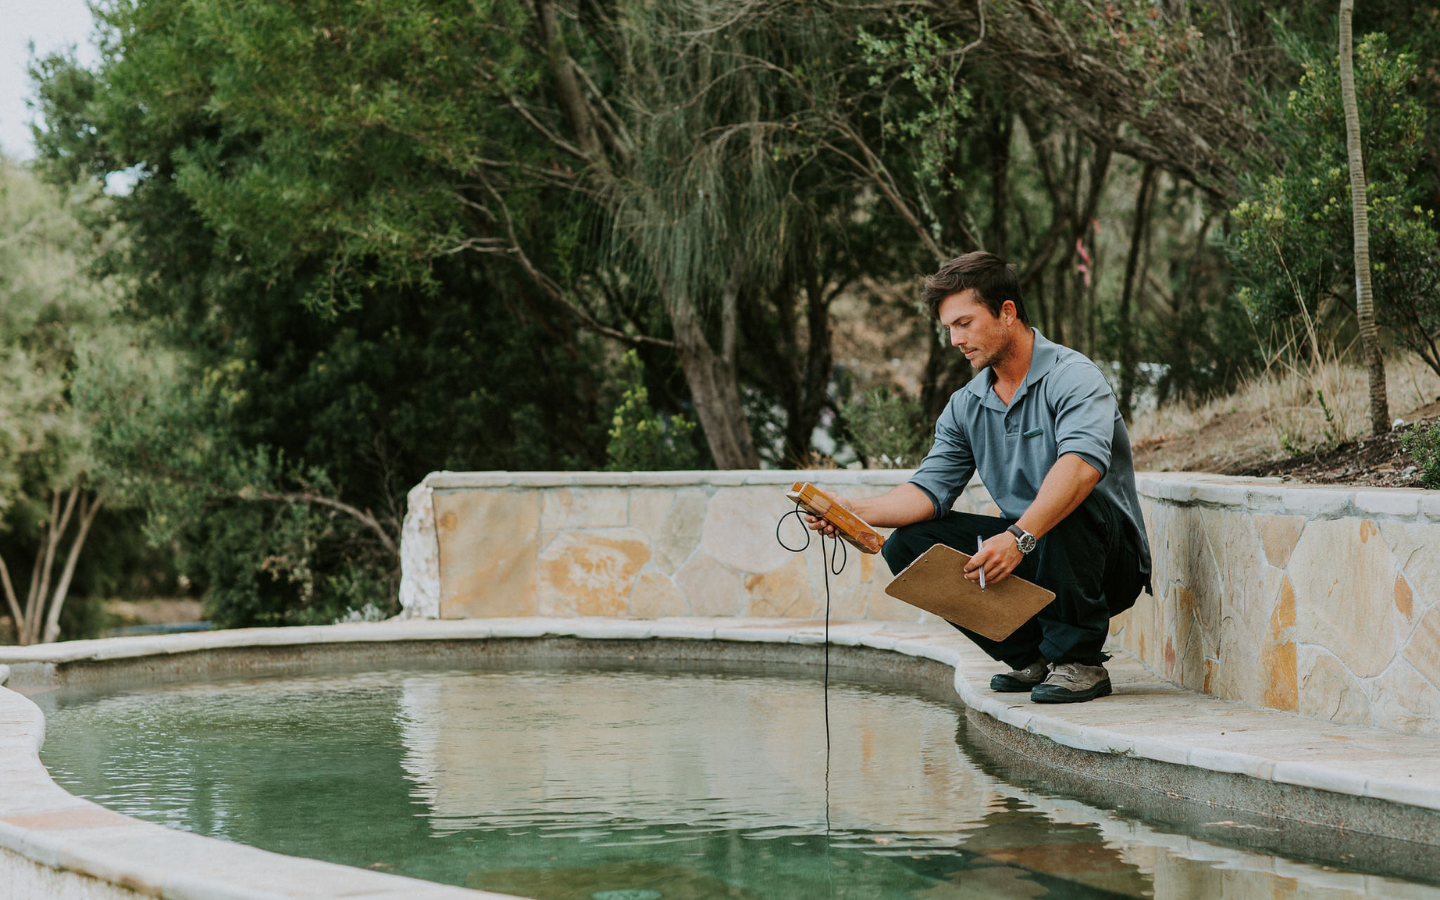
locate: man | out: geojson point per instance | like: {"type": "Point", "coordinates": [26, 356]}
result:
{"type": "Point", "coordinates": [1041, 425]}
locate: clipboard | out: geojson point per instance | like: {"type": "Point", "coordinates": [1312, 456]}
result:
{"type": "Point", "coordinates": [936, 583]}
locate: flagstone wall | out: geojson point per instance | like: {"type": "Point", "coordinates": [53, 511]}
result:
{"type": "Point", "coordinates": [1321, 601]}
{"type": "Point", "coordinates": [1316, 600]}
{"type": "Point", "coordinates": [642, 545]}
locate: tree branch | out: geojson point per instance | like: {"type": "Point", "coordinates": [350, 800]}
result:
{"type": "Point", "coordinates": [364, 517]}
{"type": "Point", "coordinates": [556, 292]}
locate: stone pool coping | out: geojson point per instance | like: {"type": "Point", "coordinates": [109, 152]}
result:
{"type": "Point", "coordinates": [1148, 718]}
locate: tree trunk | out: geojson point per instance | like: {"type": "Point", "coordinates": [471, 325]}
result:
{"type": "Point", "coordinates": [1128, 306]}
{"type": "Point", "coordinates": [62, 590]}
{"type": "Point", "coordinates": [1364, 298]}
{"type": "Point", "coordinates": [56, 532]}
{"type": "Point", "coordinates": [1001, 130]}
{"type": "Point", "coordinates": [714, 386]}
{"type": "Point", "coordinates": [13, 601]}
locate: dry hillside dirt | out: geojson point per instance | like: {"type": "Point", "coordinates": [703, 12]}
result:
{"type": "Point", "coordinates": [1371, 462]}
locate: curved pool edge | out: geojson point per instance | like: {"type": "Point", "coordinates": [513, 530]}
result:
{"type": "Point", "coordinates": [1150, 736]}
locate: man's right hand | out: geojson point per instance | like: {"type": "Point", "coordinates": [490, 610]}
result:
{"type": "Point", "coordinates": [815, 523]}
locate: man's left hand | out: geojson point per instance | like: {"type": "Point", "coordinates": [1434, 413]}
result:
{"type": "Point", "coordinates": [998, 556]}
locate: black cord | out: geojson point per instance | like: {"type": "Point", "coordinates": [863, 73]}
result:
{"type": "Point", "coordinates": [828, 568]}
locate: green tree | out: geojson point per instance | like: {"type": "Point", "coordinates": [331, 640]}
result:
{"type": "Point", "coordinates": [1293, 237]}
{"type": "Point", "coordinates": [310, 388]}
{"type": "Point", "coordinates": [51, 318]}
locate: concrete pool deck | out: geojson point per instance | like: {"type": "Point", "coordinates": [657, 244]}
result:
{"type": "Point", "coordinates": [1150, 736]}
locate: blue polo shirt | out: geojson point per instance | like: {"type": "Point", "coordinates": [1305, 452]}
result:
{"type": "Point", "coordinates": [1064, 405]}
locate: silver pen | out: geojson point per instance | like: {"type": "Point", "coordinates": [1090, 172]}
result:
{"type": "Point", "coordinates": [980, 545]}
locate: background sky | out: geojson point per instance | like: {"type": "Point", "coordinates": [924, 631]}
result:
{"type": "Point", "coordinates": [51, 25]}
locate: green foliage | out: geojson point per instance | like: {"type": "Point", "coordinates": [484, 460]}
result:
{"type": "Point", "coordinates": [1144, 42]}
{"type": "Point", "coordinates": [642, 440]}
{"type": "Point", "coordinates": [1422, 442]}
{"type": "Point", "coordinates": [300, 330]}
{"type": "Point", "coordinates": [886, 428]}
{"type": "Point", "coordinates": [47, 311]}
{"type": "Point", "coordinates": [928, 63]}
{"type": "Point", "coordinates": [1292, 239]}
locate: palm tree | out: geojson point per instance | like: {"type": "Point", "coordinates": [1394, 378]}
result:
{"type": "Point", "coordinates": [1364, 296]}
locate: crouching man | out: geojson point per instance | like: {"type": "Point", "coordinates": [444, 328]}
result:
{"type": "Point", "coordinates": [1042, 427]}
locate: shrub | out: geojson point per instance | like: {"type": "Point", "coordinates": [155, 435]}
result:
{"type": "Point", "coordinates": [642, 440]}
{"type": "Point", "coordinates": [1423, 444]}
{"type": "Point", "coordinates": [886, 428]}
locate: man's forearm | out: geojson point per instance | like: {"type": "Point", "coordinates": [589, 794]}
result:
{"type": "Point", "coordinates": [1065, 487]}
{"type": "Point", "coordinates": [904, 504]}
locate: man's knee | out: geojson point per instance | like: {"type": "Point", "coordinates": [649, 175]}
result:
{"type": "Point", "coordinates": [902, 547]}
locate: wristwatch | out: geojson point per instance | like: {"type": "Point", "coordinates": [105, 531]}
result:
{"type": "Point", "coordinates": [1023, 539]}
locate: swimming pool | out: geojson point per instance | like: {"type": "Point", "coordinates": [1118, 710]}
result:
{"type": "Point", "coordinates": [649, 782]}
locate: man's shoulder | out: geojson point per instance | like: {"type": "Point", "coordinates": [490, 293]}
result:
{"type": "Point", "coordinates": [1071, 367]}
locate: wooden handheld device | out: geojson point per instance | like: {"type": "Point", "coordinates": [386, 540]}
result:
{"type": "Point", "coordinates": [848, 525]}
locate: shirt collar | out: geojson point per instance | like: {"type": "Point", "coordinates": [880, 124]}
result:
{"type": "Point", "coordinates": [1043, 357]}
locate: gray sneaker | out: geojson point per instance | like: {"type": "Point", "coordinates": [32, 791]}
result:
{"type": "Point", "coordinates": [1072, 683]}
{"type": "Point", "coordinates": [1021, 679]}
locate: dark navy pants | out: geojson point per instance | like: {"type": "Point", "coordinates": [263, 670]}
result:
{"type": "Point", "coordinates": [1090, 560]}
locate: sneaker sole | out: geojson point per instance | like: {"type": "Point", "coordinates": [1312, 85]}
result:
{"type": "Point", "coordinates": [1060, 695]}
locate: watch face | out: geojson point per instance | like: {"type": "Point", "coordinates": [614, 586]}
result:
{"type": "Point", "coordinates": [1027, 543]}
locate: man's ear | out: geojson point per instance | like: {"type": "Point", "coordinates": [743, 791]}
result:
{"type": "Point", "coordinates": [1007, 312]}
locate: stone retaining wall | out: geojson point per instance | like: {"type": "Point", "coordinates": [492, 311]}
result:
{"type": "Point", "coordinates": [643, 545]}
{"type": "Point", "coordinates": [1315, 600]}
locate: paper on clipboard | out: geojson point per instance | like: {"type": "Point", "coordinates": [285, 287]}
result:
{"type": "Point", "coordinates": [936, 583]}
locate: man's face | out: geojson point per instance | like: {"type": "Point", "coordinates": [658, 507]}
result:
{"type": "Point", "coordinates": [983, 337]}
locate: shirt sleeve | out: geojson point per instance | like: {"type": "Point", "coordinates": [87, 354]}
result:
{"type": "Point", "coordinates": [948, 467]}
{"type": "Point", "coordinates": [1085, 410]}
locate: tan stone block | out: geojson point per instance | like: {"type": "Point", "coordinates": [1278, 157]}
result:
{"type": "Point", "coordinates": [1118, 623]}
{"type": "Point", "coordinates": [680, 534]}
{"type": "Point", "coordinates": [1404, 700]}
{"type": "Point", "coordinates": [655, 596]}
{"type": "Point", "coordinates": [1283, 618]}
{"type": "Point", "coordinates": [881, 607]}
{"type": "Point", "coordinates": [599, 507]}
{"type": "Point", "coordinates": [784, 592]}
{"type": "Point", "coordinates": [710, 589]}
{"type": "Point", "coordinates": [1279, 534]}
{"type": "Point", "coordinates": [1404, 598]}
{"type": "Point", "coordinates": [1417, 552]}
{"type": "Point", "coordinates": [1327, 690]}
{"type": "Point", "coordinates": [1141, 630]}
{"type": "Point", "coordinates": [1344, 581]}
{"type": "Point", "coordinates": [1423, 650]}
{"type": "Point", "coordinates": [739, 528]}
{"type": "Point", "coordinates": [1281, 677]}
{"type": "Point", "coordinates": [591, 573]}
{"type": "Point", "coordinates": [1260, 665]}
{"type": "Point", "coordinates": [649, 507]}
{"type": "Point", "coordinates": [1184, 654]}
{"type": "Point", "coordinates": [488, 541]}
{"type": "Point", "coordinates": [1245, 612]}
{"type": "Point", "coordinates": [1201, 573]}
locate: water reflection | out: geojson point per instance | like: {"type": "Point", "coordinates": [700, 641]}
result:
{"type": "Point", "coordinates": [562, 785]}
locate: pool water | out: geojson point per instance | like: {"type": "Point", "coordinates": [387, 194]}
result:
{"type": "Point", "coordinates": [631, 785]}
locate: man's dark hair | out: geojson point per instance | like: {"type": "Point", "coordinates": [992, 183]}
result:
{"type": "Point", "coordinates": [993, 280]}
